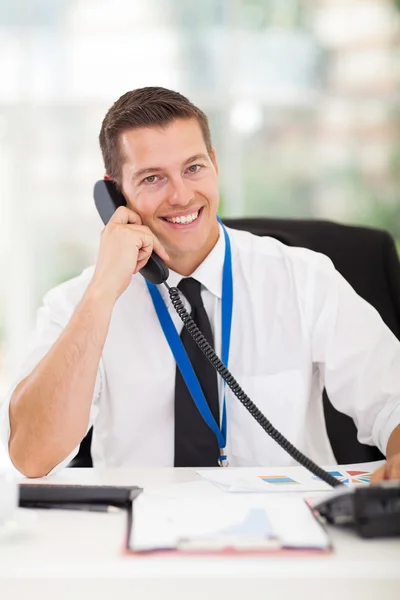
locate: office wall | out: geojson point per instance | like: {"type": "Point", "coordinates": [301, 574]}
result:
{"type": "Point", "coordinates": [303, 99]}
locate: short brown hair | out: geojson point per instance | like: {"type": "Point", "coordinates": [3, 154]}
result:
{"type": "Point", "coordinates": [144, 107]}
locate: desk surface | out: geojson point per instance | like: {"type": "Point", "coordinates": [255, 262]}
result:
{"type": "Point", "coordinates": [69, 554]}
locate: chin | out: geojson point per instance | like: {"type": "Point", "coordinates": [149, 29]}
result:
{"type": "Point", "coordinates": [193, 242]}
{"type": "Point", "coordinates": [183, 249]}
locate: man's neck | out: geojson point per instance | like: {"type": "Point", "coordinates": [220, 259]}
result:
{"type": "Point", "coordinates": [185, 264]}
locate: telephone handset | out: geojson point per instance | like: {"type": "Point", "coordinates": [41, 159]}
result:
{"type": "Point", "coordinates": [107, 199]}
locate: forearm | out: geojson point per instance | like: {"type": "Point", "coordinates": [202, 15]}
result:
{"type": "Point", "coordinates": [49, 410]}
{"type": "Point", "coordinates": [393, 446]}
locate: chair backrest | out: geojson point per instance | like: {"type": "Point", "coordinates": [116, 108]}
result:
{"type": "Point", "coordinates": [367, 258]}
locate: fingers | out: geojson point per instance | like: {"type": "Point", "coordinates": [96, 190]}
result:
{"type": "Point", "coordinates": [124, 215]}
{"type": "Point", "coordinates": [159, 248]}
{"type": "Point", "coordinates": [379, 475]}
{"type": "Point", "coordinates": [146, 241]}
{"type": "Point", "coordinates": [149, 244]}
{"type": "Point", "coordinates": [143, 258]}
{"type": "Point", "coordinates": [390, 470]}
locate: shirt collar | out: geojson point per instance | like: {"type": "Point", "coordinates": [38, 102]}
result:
{"type": "Point", "coordinates": [208, 273]}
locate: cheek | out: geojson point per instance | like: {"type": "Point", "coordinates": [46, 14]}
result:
{"type": "Point", "coordinates": [209, 189]}
{"type": "Point", "coordinates": [146, 202]}
{"type": "Point", "coordinates": [213, 196]}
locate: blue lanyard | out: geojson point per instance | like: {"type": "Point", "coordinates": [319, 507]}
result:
{"type": "Point", "coordinates": [179, 351]}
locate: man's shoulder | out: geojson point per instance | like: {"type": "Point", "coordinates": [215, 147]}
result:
{"type": "Point", "coordinates": [258, 254]}
{"type": "Point", "coordinates": [248, 243]}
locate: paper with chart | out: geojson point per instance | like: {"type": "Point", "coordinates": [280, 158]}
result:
{"type": "Point", "coordinates": [286, 479]}
{"type": "Point", "coordinates": [243, 522]}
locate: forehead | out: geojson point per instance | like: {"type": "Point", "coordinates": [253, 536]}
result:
{"type": "Point", "coordinates": [161, 146]}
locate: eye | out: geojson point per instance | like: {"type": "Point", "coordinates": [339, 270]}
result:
{"type": "Point", "coordinates": [194, 168]}
{"type": "Point", "coordinates": [150, 179]}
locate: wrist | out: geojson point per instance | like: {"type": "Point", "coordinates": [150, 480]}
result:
{"type": "Point", "coordinates": [99, 294]}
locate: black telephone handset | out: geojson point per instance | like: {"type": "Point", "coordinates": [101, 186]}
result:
{"type": "Point", "coordinates": [107, 199]}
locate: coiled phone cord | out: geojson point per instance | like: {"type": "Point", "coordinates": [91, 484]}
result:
{"type": "Point", "coordinates": [255, 412]}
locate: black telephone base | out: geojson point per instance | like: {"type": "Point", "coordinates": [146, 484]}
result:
{"type": "Point", "coordinates": [373, 511]}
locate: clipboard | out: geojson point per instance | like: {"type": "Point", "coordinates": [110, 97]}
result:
{"type": "Point", "coordinates": [314, 542]}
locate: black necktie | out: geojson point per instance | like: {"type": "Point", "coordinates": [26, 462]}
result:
{"type": "Point", "coordinates": [195, 443]}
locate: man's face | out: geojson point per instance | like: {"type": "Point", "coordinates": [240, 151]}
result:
{"type": "Point", "coordinates": [170, 180]}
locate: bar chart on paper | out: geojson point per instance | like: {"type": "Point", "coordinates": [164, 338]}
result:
{"type": "Point", "coordinates": [278, 479]}
{"type": "Point", "coordinates": [288, 479]}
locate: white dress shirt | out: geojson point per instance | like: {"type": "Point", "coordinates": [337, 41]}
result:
{"type": "Point", "coordinates": [297, 326]}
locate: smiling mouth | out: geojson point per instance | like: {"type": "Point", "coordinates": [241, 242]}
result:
{"type": "Point", "coordinates": [185, 219]}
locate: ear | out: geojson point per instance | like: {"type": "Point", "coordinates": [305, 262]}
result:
{"type": "Point", "coordinates": [107, 177]}
{"type": "Point", "coordinates": [214, 159]}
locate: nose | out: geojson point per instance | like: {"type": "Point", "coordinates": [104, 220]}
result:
{"type": "Point", "coordinates": [180, 194]}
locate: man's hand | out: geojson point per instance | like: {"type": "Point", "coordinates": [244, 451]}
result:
{"type": "Point", "coordinates": [125, 247]}
{"type": "Point", "coordinates": [390, 470]}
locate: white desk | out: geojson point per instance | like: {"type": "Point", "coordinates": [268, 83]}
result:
{"type": "Point", "coordinates": [74, 555]}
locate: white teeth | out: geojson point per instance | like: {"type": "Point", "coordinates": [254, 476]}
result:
{"type": "Point", "coordinates": [185, 219]}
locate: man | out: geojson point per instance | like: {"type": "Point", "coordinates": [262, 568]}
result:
{"type": "Point", "coordinates": [102, 356]}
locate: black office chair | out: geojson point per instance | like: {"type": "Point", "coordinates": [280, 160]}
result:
{"type": "Point", "coordinates": [367, 258]}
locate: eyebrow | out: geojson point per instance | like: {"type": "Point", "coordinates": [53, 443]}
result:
{"type": "Point", "coordinates": [147, 170]}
